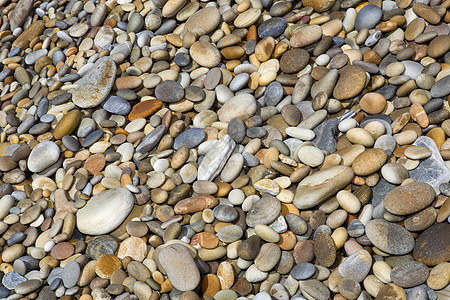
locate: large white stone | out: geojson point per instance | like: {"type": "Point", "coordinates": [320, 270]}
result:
{"type": "Point", "coordinates": [105, 211]}
{"type": "Point", "coordinates": [43, 156]}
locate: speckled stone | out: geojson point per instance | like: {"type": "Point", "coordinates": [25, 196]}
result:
{"type": "Point", "coordinates": [396, 241]}
{"type": "Point", "coordinates": [433, 245]}
{"type": "Point", "coordinates": [95, 86]}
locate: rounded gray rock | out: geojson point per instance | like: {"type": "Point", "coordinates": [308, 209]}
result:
{"type": "Point", "coordinates": [389, 237]}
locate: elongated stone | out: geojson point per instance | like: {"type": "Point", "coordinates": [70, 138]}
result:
{"type": "Point", "coordinates": [180, 267]}
{"type": "Point", "coordinates": [319, 186]}
{"type": "Point", "coordinates": [216, 158]}
{"type": "Point", "coordinates": [151, 140]}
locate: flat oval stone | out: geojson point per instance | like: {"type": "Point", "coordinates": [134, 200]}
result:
{"type": "Point", "coordinates": [314, 289]}
{"type": "Point", "coordinates": [96, 85]}
{"type": "Point", "coordinates": [190, 138]}
{"type": "Point", "coordinates": [368, 17]}
{"type": "Point", "coordinates": [316, 188]}
{"type": "Point", "coordinates": [144, 109]}
{"type": "Point", "coordinates": [268, 257]}
{"type": "Point", "coordinates": [230, 233]}
{"type": "Point", "coordinates": [409, 274]}
{"type": "Point", "coordinates": [324, 250]}
{"type": "Point", "coordinates": [273, 27]}
{"type": "Point", "coordinates": [264, 211]}
{"type": "Point", "coordinates": [306, 36]}
{"type": "Point", "coordinates": [303, 271]}
{"type": "Point", "coordinates": [71, 274]}
{"type": "Point", "coordinates": [203, 21]}
{"type": "Point", "coordinates": [180, 267]}
{"type": "Point", "coordinates": [225, 213]}
{"type": "Point", "coordinates": [294, 60]}
{"type": "Point", "coordinates": [169, 91]}
{"type": "Point", "coordinates": [116, 105]}
{"type": "Point", "coordinates": [43, 156]}
{"type": "Point", "coordinates": [370, 161]}
{"type": "Point", "coordinates": [410, 198]}
{"type": "Point", "coordinates": [433, 245]}
{"type": "Point", "coordinates": [356, 266]}
{"type": "Point", "coordinates": [105, 211]}
{"type": "Point", "coordinates": [205, 54]}
{"type": "Point", "coordinates": [389, 237]}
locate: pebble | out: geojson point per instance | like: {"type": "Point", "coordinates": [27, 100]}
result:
{"type": "Point", "coordinates": [96, 217]}
{"type": "Point", "coordinates": [398, 242]}
{"type": "Point", "coordinates": [95, 86]}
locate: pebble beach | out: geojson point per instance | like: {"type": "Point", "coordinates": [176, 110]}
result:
{"type": "Point", "coordinates": [248, 149]}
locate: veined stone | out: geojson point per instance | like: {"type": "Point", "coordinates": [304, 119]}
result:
{"type": "Point", "coordinates": [95, 86]}
{"type": "Point", "coordinates": [216, 158]}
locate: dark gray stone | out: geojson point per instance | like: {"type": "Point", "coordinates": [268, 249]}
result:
{"type": "Point", "coordinates": [387, 91]}
{"type": "Point", "coordinates": [256, 132]}
{"type": "Point", "coordinates": [169, 91]}
{"type": "Point", "coordinates": [355, 228]}
{"type": "Point", "coordinates": [17, 237]}
{"type": "Point", "coordinates": [433, 105]}
{"type": "Point", "coordinates": [71, 143]}
{"type": "Point", "coordinates": [182, 59]}
{"type": "Point", "coordinates": [236, 129]}
{"type": "Point", "coordinates": [368, 17]}
{"type": "Point", "coordinates": [441, 88]}
{"type": "Point", "coordinates": [151, 140]}
{"type": "Point", "coordinates": [409, 274]}
{"type": "Point", "coordinates": [71, 274]}
{"type": "Point", "coordinates": [42, 107]}
{"type": "Point", "coordinates": [326, 135]}
{"type": "Point", "coordinates": [39, 128]}
{"type": "Point", "coordinates": [190, 138]}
